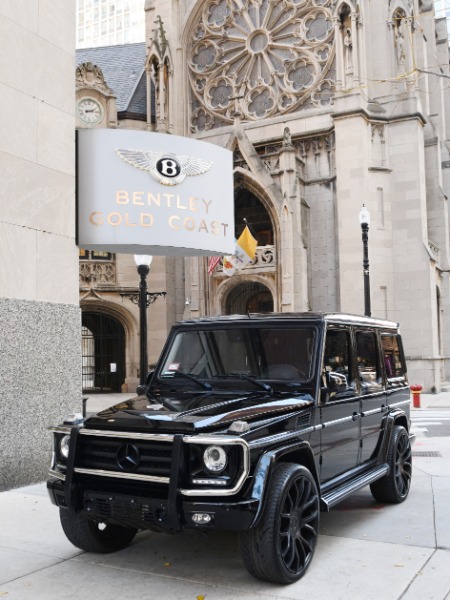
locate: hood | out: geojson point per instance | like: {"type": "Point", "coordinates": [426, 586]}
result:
{"type": "Point", "coordinates": [203, 412]}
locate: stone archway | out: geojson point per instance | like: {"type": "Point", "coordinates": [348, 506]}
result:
{"type": "Point", "coordinates": [103, 353]}
{"type": "Point", "coordinates": [249, 297]}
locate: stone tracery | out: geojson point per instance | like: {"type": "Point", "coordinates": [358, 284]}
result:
{"type": "Point", "coordinates": [259, 58]}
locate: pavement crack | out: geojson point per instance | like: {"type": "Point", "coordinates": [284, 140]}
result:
{"type": "Point", "coordinates": [418, 574]}
{"type": "Point", "coordinates": [40, 570]}
{"type": "Point", "coordinates": [434, 513]}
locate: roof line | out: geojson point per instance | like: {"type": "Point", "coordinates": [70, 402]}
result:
{"type": "Point", "coordinates": [135, 88]}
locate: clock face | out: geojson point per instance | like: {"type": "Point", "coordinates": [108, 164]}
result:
{"type": "Point", "coordinates": [90, 111]}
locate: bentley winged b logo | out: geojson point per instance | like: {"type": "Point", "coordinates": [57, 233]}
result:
{"type": "Point", "coordinates": [167, 168]}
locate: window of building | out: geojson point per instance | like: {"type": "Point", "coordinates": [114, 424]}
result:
{"type": "Point", "coordinates": [95, 255]}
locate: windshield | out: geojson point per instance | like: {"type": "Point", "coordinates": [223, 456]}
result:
{"type": "Point", "coordinates": [260, 353]}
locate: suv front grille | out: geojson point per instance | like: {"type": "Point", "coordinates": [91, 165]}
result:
{"type": "Point", "coordinates": [142, 457]}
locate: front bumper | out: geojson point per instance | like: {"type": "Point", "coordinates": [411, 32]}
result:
{"type": "Point", "coordinates": [155, 514]}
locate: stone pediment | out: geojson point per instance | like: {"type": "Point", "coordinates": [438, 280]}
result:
{"type": "Point", "coordinates": [89, 75]}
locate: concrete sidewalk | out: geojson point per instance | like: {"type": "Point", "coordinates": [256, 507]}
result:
{"type": "Point", "coordinates": [366, 550]}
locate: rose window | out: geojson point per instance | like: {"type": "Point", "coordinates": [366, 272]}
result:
{"type": "Point", "coordinates": [260, 58]}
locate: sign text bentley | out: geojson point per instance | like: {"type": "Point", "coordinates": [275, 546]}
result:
{"type": "Point", "coordinates": [164, 198]}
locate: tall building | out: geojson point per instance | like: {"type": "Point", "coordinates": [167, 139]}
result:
{"type": "Point", "coordinates": [109, 22]}
{"type": "Point", "coordinates": [442, 10]}
{"type": "Point", "coordinates": [40, 366]}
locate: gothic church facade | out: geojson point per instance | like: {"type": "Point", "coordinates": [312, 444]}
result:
{"type": "Point", "coordinates": [327, 105]}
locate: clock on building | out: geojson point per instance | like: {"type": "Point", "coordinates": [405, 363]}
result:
{"type": "Point", "coordinates": [90, 111]}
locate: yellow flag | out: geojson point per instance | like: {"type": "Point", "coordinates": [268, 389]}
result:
{"type": "Point", "coordinates": [244, 253]}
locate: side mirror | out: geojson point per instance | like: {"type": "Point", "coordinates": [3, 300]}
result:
{"type": "Point", "coordinates": [336, 381]}
{"type": "Point", "coordinates": [141, 390]}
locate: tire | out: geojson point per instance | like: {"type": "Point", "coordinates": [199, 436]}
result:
{"type": "Point", "coordinates": [394, 487]}
{"type": "Point", "coordinates": [94, 536]}
{"type": "Point", "coordinates": [280, 548]}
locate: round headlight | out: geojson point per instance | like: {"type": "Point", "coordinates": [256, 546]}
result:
{"type": "Point", "coordinates": [64, 446]}
{"type": "Point", "coordinates": [215, 459]}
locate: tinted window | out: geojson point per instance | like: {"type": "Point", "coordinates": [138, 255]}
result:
{"type": "Point", "coordinates": [392, 356]}
{"type": "Point", "coordinates": [337, 357]}
{"type": "Point", "coordinates": [367, 359]}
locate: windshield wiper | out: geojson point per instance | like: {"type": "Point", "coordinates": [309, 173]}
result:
{"type": "Point", "coordinates": [166, 403]}
{"type": "Point", "coordinates": [203, 384]}
{"type": "Point", "coordinates": [261, 384]}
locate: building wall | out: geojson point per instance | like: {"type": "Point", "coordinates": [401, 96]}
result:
{"type": "Point", "coordinates": [40, 369]}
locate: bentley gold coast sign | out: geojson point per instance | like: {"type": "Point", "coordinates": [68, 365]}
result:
{"type": "Point", "coordinates": [149, 193]}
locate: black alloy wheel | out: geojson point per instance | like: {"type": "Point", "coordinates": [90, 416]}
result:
{"type": "Point", "coordinates": [394, 487]}
{"type": "Point", "coordinates": [280, 548]}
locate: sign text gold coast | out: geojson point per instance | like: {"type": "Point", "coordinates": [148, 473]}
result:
{"type": "Point", "coordinates": [189, 213]}
{"type": "Point", "coordinates": [142, 192]}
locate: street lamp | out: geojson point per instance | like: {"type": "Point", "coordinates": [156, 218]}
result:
{"type": "Point", "coordinates": [143, 299]}
{"type": "Point", "coordinates": [364, 219]}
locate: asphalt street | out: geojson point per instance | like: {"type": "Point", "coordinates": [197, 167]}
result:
{"type": "Point", "coordinates": [366, 550]}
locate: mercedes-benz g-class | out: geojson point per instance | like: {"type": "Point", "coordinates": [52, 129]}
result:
{"type": "Point", "coordinates": [248, 423]}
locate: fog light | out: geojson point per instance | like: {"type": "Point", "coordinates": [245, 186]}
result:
{"type": "Point", "coordinates": [201, 518]}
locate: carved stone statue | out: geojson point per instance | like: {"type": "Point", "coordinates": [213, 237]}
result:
{"type": "Point", "coordinates": [400, 43]}
{"type": "Point", "coordinates": [287, 140]}
{"type": "Point", "coordinates": [348, 50]}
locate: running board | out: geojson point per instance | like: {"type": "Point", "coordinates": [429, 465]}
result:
{"type": "Point", "coordinates": [337, 494]}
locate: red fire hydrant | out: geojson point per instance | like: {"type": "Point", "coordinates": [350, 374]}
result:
{"type": "Point", "coordinates": [416, 389]}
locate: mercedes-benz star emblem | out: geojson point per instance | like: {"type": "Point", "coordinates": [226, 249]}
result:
{"type": "Point", "coordinates": [127, 457]}
{"type": "Point", "coordinates": [167, 168]}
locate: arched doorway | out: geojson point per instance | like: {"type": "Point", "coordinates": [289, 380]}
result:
{"type": "Point", "coordinates": [103, 353]}
{"type": "Point", "coordinates": [249, 297]}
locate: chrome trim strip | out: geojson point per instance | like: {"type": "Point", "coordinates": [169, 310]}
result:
{"type": "Point", "coordinates": [339, 421]}
{"type": "Point", "coordinates": [161, 437]}
{"type": "Point", "coordinates": [277, 437]}
{"type": "Point", "coordinates": [366, 413]}
{"type": "Point", "coordinates": [223, 441]}
{"type": "Point", "coordinates": [56, 474]}
{"type": "Point", "coordinates": [118, 475]}
{"type": "Point", "coordinates": [335, 495]}
{"type": "Point", "coordinates": [53, 461]}
{"type": "Point", "coordinates": [216, 440]}
{"type": "Point", "coordinates": [65, 429]}
{"type": "Point", "coordinates": [389, 406]}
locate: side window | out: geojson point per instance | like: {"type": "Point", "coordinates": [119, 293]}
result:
{"type": "Point", "coordinates": [337, 364]}
{"type": "Point", "coordinates": [392, 357]}
{"type": "Point", "coordinates": [368, 363]}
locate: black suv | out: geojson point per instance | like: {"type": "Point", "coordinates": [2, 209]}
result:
{"type": "Point", "coordinates": [248, 423]}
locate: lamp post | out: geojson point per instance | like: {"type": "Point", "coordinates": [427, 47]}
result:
{"type": "Point", "coordinates": [143, 299]}
{"type": "Point", "coordinates": [364, 219]}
